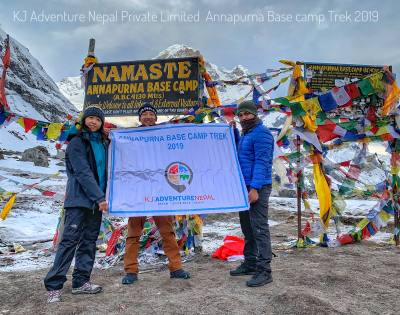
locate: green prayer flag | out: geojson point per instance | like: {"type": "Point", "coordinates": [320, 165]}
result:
{"type": "Point", "coordinates": [321, 117]}
{"type": "Point", "coordinates": [282, 101]}
{"type": "Point", "coordinates": [349, 125]}
{"type": "Point", "coordinates": [365, 87]}
{"type": "Point", "coordinates": [297, 109]}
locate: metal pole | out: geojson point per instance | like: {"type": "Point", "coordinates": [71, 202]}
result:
{"type": "Point", "coordinates": [396, 221]}
{"type": "Point", "coordinates": [395, 198]}
{"type": "Point", "coordinates": [299, 175]}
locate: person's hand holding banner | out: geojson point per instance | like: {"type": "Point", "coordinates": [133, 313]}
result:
{"type": "Point", "coordinates": [103, 206]}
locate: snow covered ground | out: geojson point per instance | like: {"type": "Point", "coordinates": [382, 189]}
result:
{"type": "Point", "coordinates": [35, 217]}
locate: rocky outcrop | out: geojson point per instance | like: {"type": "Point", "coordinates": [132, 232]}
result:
{"type": "Point", "coordinates": [38, 155]}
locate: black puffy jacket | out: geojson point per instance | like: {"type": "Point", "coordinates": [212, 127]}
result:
{"type": "Point", "coordinates": [83, 188]}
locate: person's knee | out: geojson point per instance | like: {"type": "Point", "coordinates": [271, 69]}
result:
{"type": "Point", "coordinates": [259, 226]}
{"type": "Point", "coordinates": [258, 217]}
{"type": "Point", "coordinates": [132, 239]}
{"type": "Point", "coordinates": [92, 237]}
{"type": "Point", "coordinates": [165, 227]}
{"type": "Point", "coordinates": [167, 234]}
{"type": "Point", "coordinates": [71, 235]}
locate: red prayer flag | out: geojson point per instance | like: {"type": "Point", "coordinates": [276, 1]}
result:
{"type": "Point", "coordinates": [7, 55]}
{"type": "Point", "coordinates": [6, 64]}
{"type": "Point", "coordinates": [48, 193]}
{"type": "Point", "coordinates": [29, 124]}
{"type": "Point", "coordinates": [325, 132]}
{"type": "Point", "coordinates": [345, 163]}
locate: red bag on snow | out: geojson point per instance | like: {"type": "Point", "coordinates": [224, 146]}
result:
{"type": "Point", "coordinates": [345, 239]}
{"type": "Point", "coordinates": [233, 246]}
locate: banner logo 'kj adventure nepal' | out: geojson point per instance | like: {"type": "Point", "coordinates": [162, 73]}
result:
{"type": "Point", "coordinates": [179, 176]}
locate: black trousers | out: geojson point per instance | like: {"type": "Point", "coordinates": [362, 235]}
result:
{"type": "Point", "coordinates": [255, 228]}
{"type": "Point", "coordinates": [81, 230]}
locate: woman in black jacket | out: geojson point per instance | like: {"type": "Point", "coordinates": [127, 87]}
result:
{"type": "Point", "coordinates": [86, 163]}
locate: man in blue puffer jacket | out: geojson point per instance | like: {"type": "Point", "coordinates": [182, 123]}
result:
{"type": "Point", "coordinates": [255, 151]}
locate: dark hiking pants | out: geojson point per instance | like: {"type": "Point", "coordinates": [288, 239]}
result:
{"type": "Point", "coordinates": [81, 230]}
{"type": "Point", "coordinates": [255, 228]}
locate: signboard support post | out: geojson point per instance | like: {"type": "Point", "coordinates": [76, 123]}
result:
{"type": "Point", "coordinates": [92, 43]}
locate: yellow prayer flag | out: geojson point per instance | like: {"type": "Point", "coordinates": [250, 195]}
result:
{"type": "Point", "coordinates": [54, 131]}
{"type": "Point", "coordinates": [392, 97]}
{"type": "Point", "coordinates": [287, 62]}
{"type": "Point", "coordinates": [384, 216]}
{"type": "Point", "coordinates": [20, 122]}
{"type": "Point", "coordinates": [376, 82]}
{"type": "Point", "coordinates": [297, 98]}
{"type": "Point", "coordinates": [312, 106]}
{"type": "Point", "coordinates": [283, 80]}
{"type": "Point", "coordinates": [363, 223]}
{"type": "Point", "coordinates": [89, 60]}
{"type": "Point", "coordinates": [323, 193]}
{"type": "Point", "coordinates": [382, 130]}
{"type": "Point", "coordinates": [309, 123]}
{"type": "Point", "coordinates": [306, 204]}
{"type": "Point", "coordinates": [297, 85]}
{"type": "Point", "coordinates": [198, 220]}
{"type": "Point", "coordinates": [7, 207]}
{"type": "Point", "coordinates": [395, 169]}
{"type": "Point", "coordinates": [302, 88]}
{"type": "Point", "coordinates": [300, 243]}
{"type": "Point", "coordinates": [285, 128]}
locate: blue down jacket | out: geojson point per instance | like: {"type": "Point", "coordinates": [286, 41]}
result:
{"type": "Point", "coordinates": [255, 151]}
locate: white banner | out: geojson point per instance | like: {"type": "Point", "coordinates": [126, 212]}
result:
{"type": "Point", "coordinates": [174, 169]}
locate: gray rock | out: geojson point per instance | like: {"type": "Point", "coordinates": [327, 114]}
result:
{"type": "Point", "coordinates": [38, 155]}
{"type": "Point", "coordinates": [1, 155]}
{"type": "Point", "coordinates": [287, 193]}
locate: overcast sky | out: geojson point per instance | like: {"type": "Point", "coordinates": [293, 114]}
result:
{"type": "Point", "coordinates": [310, 32]}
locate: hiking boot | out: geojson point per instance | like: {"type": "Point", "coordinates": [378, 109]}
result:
{"type": "Point", "coordinates": [129, 278]}
{"type": "Point", "coordinates": [180, 274]}
{"type": "Point", "coordinates": [87, 288]}
{"type": "Point", "coordinates": [53, 296]}
{"type": "Point", "coordinates": [243, 270]}
{"type": "Point", "coordinates": [259, 279]}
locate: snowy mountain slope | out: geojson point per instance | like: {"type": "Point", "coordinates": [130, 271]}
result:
{"type": "Point", "coordinates": [30, 90]}
{"type": "Point", "coordinates": [71, 88]}
{"type": "Point", "coordinates": [228, 94]}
